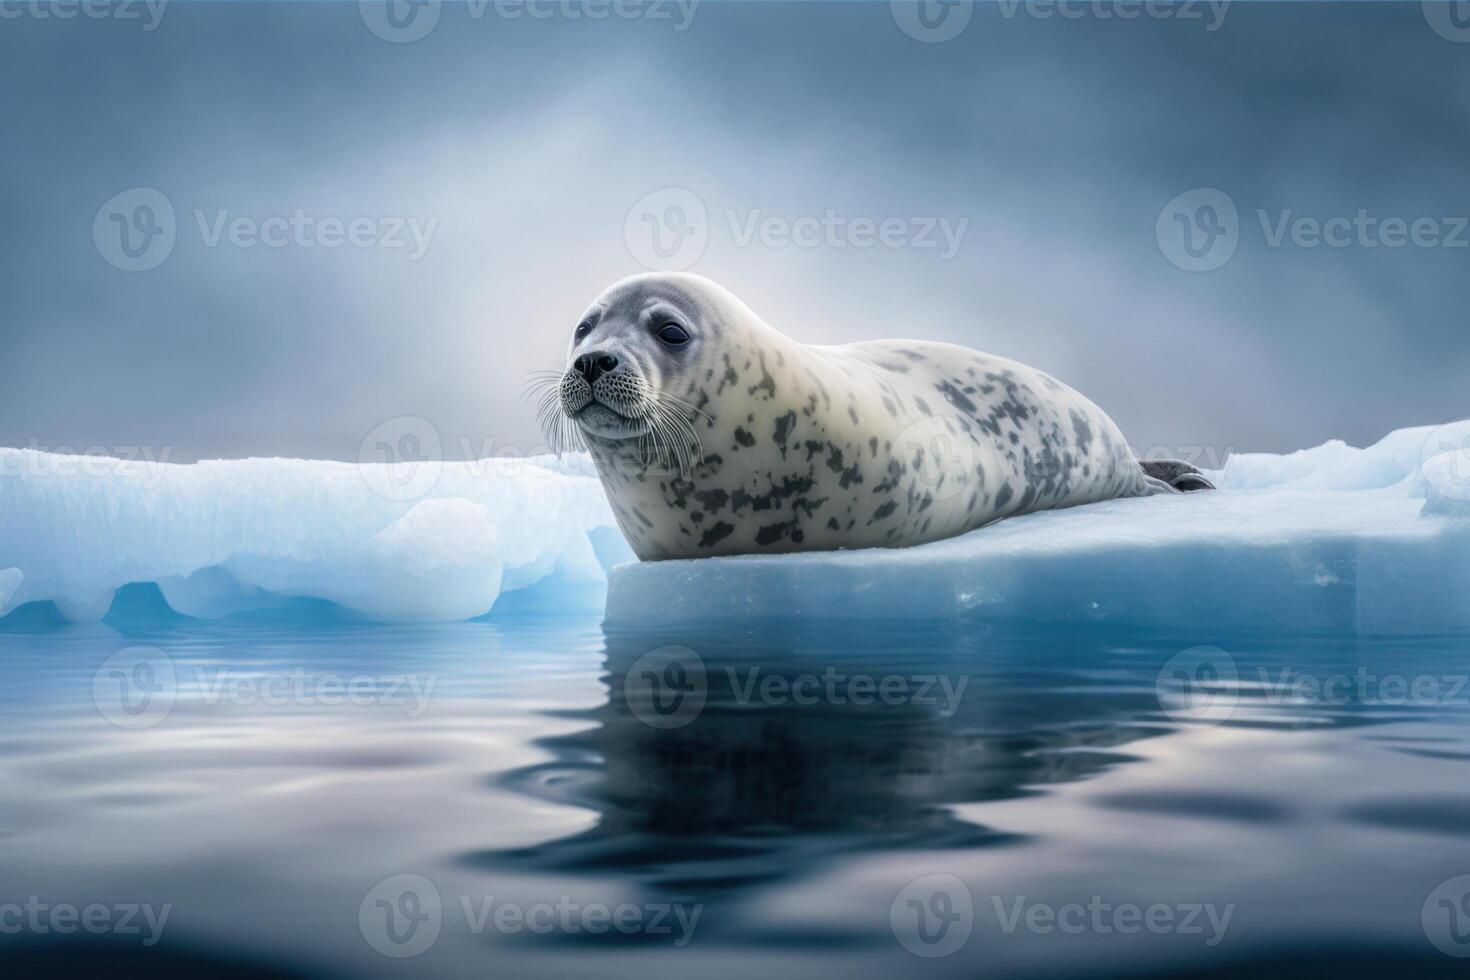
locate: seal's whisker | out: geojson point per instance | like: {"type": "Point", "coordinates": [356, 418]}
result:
{"type": "Point", "coordinates": [668, 445]}
{"type": "Point", "coordinates": [690, 442]}
{"type": "Point", "coordinates": [681, 427]}
{"type": "Point", "coordinates": [681, 403]}
{"type": "Point", "coordinates": [681, 433]}
{"type": "Point", "coordinates": [558, 438]}
{"type": "Point", "coordinates": [550, 428]}
{"type": "Point", "coordinates": [573, 440]}
{"type": "Point", "coordinates": [658, 433]}
{"type": "Point", "coordinates": [548, 403]}
{"type": "Point", "coordinates": [660, 438]}
{"type": "Point", "coordinates": [698, 445]}
{"type": "Point", "coordinates": [683, 436]}
{"type": "Point", "coordinates": [680, 450]}
{"type": "Point", "coordinates": [677, 452]}
{"type": "Point", "coordinates": [559, 430]}
{"type": "Point", "coordinates": [571, 435]}
{"type": "Point", "coordinates": [536, 385]}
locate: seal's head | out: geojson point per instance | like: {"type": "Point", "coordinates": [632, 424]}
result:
{"type": "Point", "coordinates": [632, 366]}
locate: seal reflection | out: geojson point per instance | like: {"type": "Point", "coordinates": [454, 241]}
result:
{"type": "Point", "coordinates": [724, 760]}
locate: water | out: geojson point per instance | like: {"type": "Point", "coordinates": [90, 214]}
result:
{"type": "Point", "coordinates": [771, 802]}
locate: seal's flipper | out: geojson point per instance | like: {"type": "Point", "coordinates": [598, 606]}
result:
{"type": "Point", "coordinates": [1178, 475]}
{"type": "Point", "coordinates": [1188, 482]}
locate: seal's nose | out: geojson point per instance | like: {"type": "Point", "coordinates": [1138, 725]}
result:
{"type": "Point", "coordinates": [591, 366]}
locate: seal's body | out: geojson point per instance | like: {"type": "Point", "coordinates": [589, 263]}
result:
{"type": "Point", "coordinates": [716, 434]}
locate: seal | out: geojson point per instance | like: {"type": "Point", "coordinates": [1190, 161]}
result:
{"type": "Point", "coordinates": [715, 434]}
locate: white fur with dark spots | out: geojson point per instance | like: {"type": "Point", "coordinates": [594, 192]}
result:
{"type": "Point", "coordinates": [789, 447]}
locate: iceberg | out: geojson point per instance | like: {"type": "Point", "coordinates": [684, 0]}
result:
{"type": "Point", "coordinates": [426, 541]}
{"type": "Point", "coordinates": [1373, 540]}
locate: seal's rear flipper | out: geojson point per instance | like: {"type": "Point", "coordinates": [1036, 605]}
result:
{"type": "Point", "coordinates": [1176, 474]}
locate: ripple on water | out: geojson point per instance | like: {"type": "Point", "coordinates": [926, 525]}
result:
{"type": "Point", "coordinates": [1447, 814]}
{"type": "Point", "coordinates": [1233, 807]}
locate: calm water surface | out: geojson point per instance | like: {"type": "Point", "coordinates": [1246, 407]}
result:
{"type": "Point", "coordinates": [534, 797]}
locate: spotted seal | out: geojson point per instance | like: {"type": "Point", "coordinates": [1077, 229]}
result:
{"type": "Point", "coordinates": [715, 434]}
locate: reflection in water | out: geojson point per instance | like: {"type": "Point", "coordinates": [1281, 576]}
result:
{"type": "Point", "coordinates": [781, 748]}
{"type": "Point", "coordinates": [791, 780]}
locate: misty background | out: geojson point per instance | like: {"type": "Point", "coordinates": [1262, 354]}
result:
{"type": "Point", "coordinates": [529, 152]}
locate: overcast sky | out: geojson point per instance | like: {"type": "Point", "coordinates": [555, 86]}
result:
{"type": "Point", "coordinates": [346, 225]}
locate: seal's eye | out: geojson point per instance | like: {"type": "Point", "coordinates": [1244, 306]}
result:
{"type": "Point", "coordinates": [583, 329]}
{"type": "Point", "coordinates": [673, 335]}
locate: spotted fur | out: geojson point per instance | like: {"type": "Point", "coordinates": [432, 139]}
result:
{"type": "Point", "coordinates": [788, 447]}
